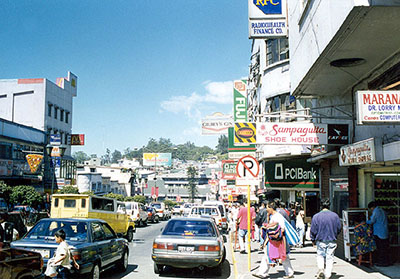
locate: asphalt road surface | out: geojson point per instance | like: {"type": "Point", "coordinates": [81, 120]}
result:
{"type": "Point", "coordinates": [141, 265]}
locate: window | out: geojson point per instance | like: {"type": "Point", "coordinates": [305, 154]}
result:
{"type": "Point", "coordinates": [109, 234]}
{"type": "Point", "coordinates": [61, 137]}
{"type": "Point", "coordinates": [49, 108]}
{"type": "Point", "coordinates": [61, 115]}
{"type": "Point", "coordinates": [55, 112]}
{"type": "Point", "coordinates": [99, 186]}
{"type": "Point", "coordinates": [94, 187]}
{"type": "Point", "coordinates": [277, 50]}
{"type": "Point", "coordinates": [83, 203]}
{"type": "Point", "coordinates": [97, 232]}
{"type": "Point", "coordinates": [56, 202]}
{"type": "Point", "coordinates": [70, 203]}
{"type": "Point", "coordinates": [102, 204]}
{"type": "Point", "coordinates": [66, 117]}
{"type": "Point", "coordinates": [5, 150]}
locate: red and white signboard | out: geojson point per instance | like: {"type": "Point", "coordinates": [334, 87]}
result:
{"type": "Point", "coordinates": [247, 170]}
{"type": "Point", "coordinates": [378, 107]}
{"type": "Point", "coordinates": [292, 133]}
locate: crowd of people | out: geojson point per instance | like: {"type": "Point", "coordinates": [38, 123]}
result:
{"type": "Point", "coordinates": [278, 227]}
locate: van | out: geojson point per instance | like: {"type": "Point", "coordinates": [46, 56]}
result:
{"type": "Point", "coordinates": [222, 209]}
{"type": "Point", "coordinates": [207, 211]}
{"type": "Point", "coordinates": [86, 206]}
{"type": "Point", "coordinates": [162, 211]}
{"type": "Point", "coordinates": [137, 212]}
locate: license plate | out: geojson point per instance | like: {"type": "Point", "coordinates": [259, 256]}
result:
{"type": "Point", "coordinates": [185, 249]}
{"type": "Point", "coordinates": [43, 252]}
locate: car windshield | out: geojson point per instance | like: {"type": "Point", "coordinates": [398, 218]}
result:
{"type": "Point", "coordinates": [156, 205]}
{"type": "Point", "coordinates": [45, 229]}
{"type": "Point", "coordinates": [190, 228]}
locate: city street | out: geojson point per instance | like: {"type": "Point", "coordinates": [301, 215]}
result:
{"type": "Point", "coordinates": [141, 264]}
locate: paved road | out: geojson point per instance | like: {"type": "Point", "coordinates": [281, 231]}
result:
{"type": "Point", "coordinates": [141, 264]}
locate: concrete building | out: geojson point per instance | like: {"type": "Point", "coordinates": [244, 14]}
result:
{"type": "Point", "coordinates": [337, 49]}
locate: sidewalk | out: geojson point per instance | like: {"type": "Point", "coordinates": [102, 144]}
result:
{"type": "Point", "coordinates": [304, 264]}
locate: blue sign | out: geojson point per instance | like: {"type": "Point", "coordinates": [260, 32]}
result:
{"type": "Point", "coordinates": [55, 139]}
{"type": "Point", "coordinates": [269, 6]}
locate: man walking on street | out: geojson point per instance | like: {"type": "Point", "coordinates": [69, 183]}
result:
{"type": "Point", "coordinates": [325, 227]}
{"type": "Point", "coordinates": [242, 219]}
{"type": "Point", "coordinates": [381, 233]}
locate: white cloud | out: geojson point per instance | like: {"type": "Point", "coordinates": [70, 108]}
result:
{"type": "Point", "coordinates": [216, 93]}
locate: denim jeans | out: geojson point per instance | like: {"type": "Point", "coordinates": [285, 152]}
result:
{"type": "Point", "coordinates": [325, 253]}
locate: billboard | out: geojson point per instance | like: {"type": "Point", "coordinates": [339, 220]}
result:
{"type": "Point", "coordinates": [216, 124]}
{"type": "Point", "coordinates": [240, 101]}
{"type": "Point", "coordinates": [267, 18]}
{"type": "Point", "coordinates": [292, 133]}
{"type": "Point", "coordinates": [157, 159]}
{"type": "Point", "coordinates": [77, 139]}
{"type": "Point", "coordinates": [378, 107]}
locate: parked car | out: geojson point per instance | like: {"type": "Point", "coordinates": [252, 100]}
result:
{"type": "Point", "coordinates": [162, 211]}
{"type": "Point", "coordinates": [152, 214]}
{"type": "Point", "coordinates": [189, 243]}
{"type": "Point", "coordinates": [137, 212]}
{"type": "Point", "coordinates": [93, 243]}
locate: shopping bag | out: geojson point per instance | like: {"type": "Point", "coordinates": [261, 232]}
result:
{"type": "Point", "coordinates": [292, 237]}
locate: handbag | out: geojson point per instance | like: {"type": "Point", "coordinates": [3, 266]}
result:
{"type": "Point", "coordinates": [274, 232]}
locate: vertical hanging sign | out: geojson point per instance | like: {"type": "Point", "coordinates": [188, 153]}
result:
{"type": "Point", "coordinates": [240, 101]}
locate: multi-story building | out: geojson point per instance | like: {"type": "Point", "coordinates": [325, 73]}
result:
{"type": "Point", "coordinates": [337, 49]}
{"type": "Point", "coordinates": [46, 106]}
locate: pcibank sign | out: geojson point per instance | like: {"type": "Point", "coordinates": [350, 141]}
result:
{"type": "Point", "coordinates": [267, 18]}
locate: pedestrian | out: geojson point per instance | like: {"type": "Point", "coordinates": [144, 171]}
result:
{"type": "Point", "coordinates": [60, 264]}
{"type": "Point", "coordinates": [379, 223]}
{"type": "Point", "coordinates": [261, 218]}
{"type": "Point", "coordinates": [275, 245]}
{"type": "Point", "coordinates": [292, 214]}
{"type": "Point", "coordinates": [363, 241]}
{"type": "Point", "coordinates": [243, 229]}
{"type": "Point", "coordinates": [300, 226]}
{"type": "Point", "coordinates": [281, 210]}
{"type": "Point", "coordinates": [233, 214]}
{"type": "Point", "coordinates": [255, 230]}
{"type": "Point", "coordinates": [325, 227]}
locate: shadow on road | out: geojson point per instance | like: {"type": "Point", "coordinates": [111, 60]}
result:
{"type": "Point", "coordinates": [111, 272]}
{"type": "Point", "coordinates": [196, 272]}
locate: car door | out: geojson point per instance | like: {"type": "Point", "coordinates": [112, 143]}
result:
{"type": "Point", "coordinates": [102, 244]}
{"type": "Point", "coordinates": [115, 249]}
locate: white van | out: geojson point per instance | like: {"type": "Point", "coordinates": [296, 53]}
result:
{"type": "Point", "coordinates": [222, 209]}
{"type": "Point", "coordinates": [137, 212]}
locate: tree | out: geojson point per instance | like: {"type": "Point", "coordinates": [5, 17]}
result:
{"type": "Point", "coordinates": [90, 193]}
{"type": "Point", "coordinates": [115, 156]}
{"type": "Point", "coordinates": [222, 146]}
{"type": "Point", "coordinates": [169, 203]}
{"type": "Point", "coordinates": [68, 190]}
{"type": "Point", "coordinates": [5, 193]}
{"type": "Point", "coordinates": [139, 198]}
{"type": "Point", "coordinates": [80, 157]}
{"type": "Point", "coordinates": [26, 195]}
{"type": "Point", "coordinates": [192, 172]}
{"type": "Point", "coordinates": [118, 197]}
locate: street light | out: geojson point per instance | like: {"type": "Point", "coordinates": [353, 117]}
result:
{"type": "Point", "coordinates": [49, 149]}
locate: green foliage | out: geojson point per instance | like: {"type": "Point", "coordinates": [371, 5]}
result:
{"type": "Point", "coordinates": [129, 199]}
{"type": "Point", "coordinates": [192, 172]}
{"type": "Point", "coordinates": [118, 197]}
{"type": "Point", "coordinates": [68, 190]}
{"type": "Point", "coordinates": [5, 192]}
{"type": "Point", "coordinates": [139, 198]}
{"type": "Point", "coordinates": [222, 146]}
{"type": "Point", "coordinates": [80, 157]}
{"type": "Point", "coordinates": [90, 193]}
{"type": "Point", "coordinates": [169, 203]}
{"type": "Point", "coordinates": [115, 156]}
{"type": "Point", "coordinates": [26, 195]}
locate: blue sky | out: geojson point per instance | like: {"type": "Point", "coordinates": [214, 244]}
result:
{"type": "Point", "coordinates": [146, 69]}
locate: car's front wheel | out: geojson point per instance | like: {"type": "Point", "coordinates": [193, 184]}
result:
{"type": "Point", "coordinates": [95, 274]}
{"type": "Point", "coordinates": [158, 268]}
{"type": "Point", "coordinates": [129, 235]}
{"type": "Point", "coordinates": [156, 219]}
{"type": "Point", "coordinates": [122, 264]}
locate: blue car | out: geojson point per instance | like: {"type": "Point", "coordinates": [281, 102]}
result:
{"type": "Point", "coordinates": [94, 244]}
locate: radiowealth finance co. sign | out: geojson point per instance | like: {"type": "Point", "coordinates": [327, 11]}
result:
{"type": "Point", "coordinates": [267, 18]}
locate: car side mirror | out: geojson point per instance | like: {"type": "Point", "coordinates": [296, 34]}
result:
{"type": "Point", "coordinates": [8, 232]}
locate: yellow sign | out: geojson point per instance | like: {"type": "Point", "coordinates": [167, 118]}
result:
{"type": "Point", "coordinates": [245, 132]}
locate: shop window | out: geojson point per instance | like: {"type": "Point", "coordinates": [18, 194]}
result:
{"type": "Point", "coordinates": [5, 151]}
